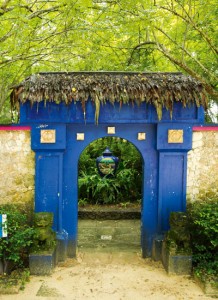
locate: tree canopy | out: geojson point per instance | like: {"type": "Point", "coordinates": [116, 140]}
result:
{"type": "Point", "coordinates": [92, 35]}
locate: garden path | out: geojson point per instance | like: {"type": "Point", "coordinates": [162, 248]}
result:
{"type": "Point", "coordinates": [109, 276]}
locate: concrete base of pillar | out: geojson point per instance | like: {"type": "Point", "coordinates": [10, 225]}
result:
{"type": "Point", "coordinates": [42, 263]}
{"type": "Point", "coordinates": [176, 263]}
{"type": "Point", "coordinates": [157, 247]}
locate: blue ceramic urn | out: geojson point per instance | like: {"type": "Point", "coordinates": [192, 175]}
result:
{"type": "Point", "coordinates": [107, 163]}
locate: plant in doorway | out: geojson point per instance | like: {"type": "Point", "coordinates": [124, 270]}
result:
{"type": "Point", "coordinates": [124, 187]}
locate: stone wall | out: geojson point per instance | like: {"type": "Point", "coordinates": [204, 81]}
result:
{"type": "Point", "coordinates": [202, 175]}
{"type": "Point", "coordinates": [17, 167]}
{"type": "Point", "coordinates": [109, 235]}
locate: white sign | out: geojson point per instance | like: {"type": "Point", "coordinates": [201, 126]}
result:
{"type": "Point", "coordinates": [3, 226]}
{"type": "Point", "coordinates": [106, 237]}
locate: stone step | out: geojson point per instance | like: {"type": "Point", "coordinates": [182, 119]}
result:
{"type": "Point", "coordinates": [120, 235]}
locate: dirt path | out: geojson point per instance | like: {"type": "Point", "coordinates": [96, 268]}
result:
{"type": "Point", "coordinates": [106, 276]}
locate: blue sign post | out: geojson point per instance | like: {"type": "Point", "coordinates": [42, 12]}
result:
{"type": "Point", "coordinates": [3, 226]}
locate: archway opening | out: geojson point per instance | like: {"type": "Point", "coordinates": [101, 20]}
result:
{"type": "Point", "coordinates": [110, 206]}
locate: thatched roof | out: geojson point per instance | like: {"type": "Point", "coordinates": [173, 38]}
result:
{"type": "Point", "coordinates": [159, 89]}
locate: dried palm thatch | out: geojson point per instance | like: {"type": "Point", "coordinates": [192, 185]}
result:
{"type": "Point", "coordinates": [159, 89]}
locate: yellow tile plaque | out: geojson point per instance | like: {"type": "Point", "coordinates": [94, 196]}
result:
{"type": "Point", "coordinates": [48, 136]}
{"type": "Point", "coordinates": [80, 136]}
{"type": "Point", "coordinates": [175, 136]}
{"type": "Point", "coordinates": [111, 130]}
{"type": "Point", "coordinates": [141, 136]}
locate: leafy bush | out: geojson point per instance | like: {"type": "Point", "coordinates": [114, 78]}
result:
{"type": "Point", "coordinates": [14, 248]}
{"type": "Point", "coordinates": [125, 186]}
{"type": "Point", "coordinates": [203, 216]}
{"type": "Point", "coordinates": [99, 190]}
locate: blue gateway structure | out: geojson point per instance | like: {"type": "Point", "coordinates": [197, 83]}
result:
{"type": "Point", "coordinates": [153, 111]}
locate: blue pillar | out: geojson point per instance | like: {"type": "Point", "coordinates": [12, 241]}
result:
{"type": "Point", "coordinates": [48, 192]}
{"type": "Point", "coordinates": [49, 171]}
{"type": "Point", "coordinates": [172, 186]}
{"type": "Point", "coordinates": [173, 143]}
{"type": "Point", "coordinates": [149, 201]}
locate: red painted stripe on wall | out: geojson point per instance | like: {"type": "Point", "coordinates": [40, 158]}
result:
{"type": "Point", "coordinates": [15, 128]}
{"type": "Point", "coordinates": [195, 128]}
{"type": "Point", "coordinates": [205, 128]}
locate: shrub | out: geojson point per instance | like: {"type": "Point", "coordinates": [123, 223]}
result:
{"type": "Point", "coordinates": [14, 248]}
{"type": "Point", "coordinates": [99, 190]}
{"type": "Point", "coordinates": [125, 186]}
{"type": "Point", "coordinates": [203, 216]}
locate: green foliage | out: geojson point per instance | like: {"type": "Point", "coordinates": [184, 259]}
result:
{"type": "Point", "coordinates": [203, 215]}
{"type": "Point", "coordinates": [14, 248]}
{"type": "Point", "coordinates": [125, 186]}
{"type": "Point", "coordinates": [17, 279]}
{"type": "Point", "coordinates": [64, 35]}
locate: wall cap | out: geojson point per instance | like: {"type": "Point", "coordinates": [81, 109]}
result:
{"type": "Point", "coordinates": [205, 128]}
{"type": "Point", "coordinates": [9, 128]}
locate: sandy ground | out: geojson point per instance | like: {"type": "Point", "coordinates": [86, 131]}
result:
{"type": "Point", "coordinates": [110, 276]}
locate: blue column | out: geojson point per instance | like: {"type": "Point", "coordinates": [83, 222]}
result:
{"type": "Point", "coordinates": [173, 143]}
{"type": "Point", "coordinates": [149, 201]}
{"type": "Point", "coordinates": [49, 171]}
{"type": "Point", "coordinates": [48, 192]}
{"type": "Point", "coordinates": [172, 186]}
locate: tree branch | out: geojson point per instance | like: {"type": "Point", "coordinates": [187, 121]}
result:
{"type": "Point", "coordinates": [190, 21]}
{"type": "Point", "coordinates": [38, 13]}
{"type": "Point", "coordinates": [212, 75]}
{"type": "Point", "coordinates": [161, 48]}
{"type": "Point", "coordinates": [138, 47]}
{"type": "Point", "coordinates": [7, 35]}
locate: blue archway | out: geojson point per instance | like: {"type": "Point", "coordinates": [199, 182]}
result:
{"type": "Point", "coordinates": [61, 132]}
